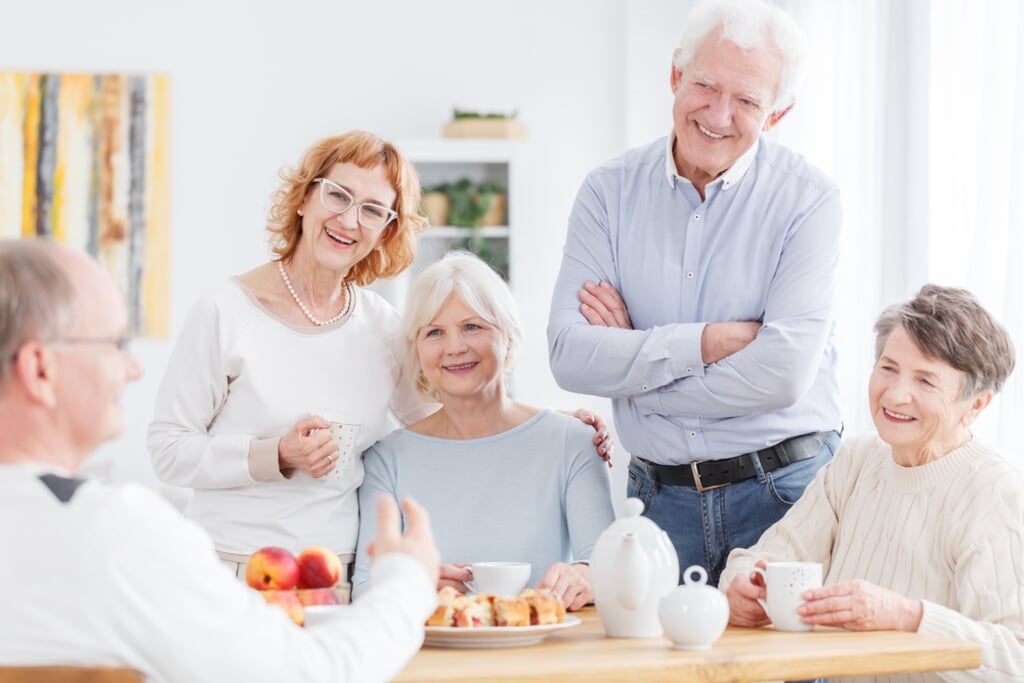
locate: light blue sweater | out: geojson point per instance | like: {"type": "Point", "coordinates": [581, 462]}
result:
{"type": "Point", "coordinates": [537, 493]}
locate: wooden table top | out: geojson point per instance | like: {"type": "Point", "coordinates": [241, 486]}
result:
{"type": "Point", "coordinates": [584, 653]}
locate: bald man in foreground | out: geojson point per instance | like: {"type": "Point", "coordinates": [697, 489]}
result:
{"type": "Point", "coordinates": [94, 574]}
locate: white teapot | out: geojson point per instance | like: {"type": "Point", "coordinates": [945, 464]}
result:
{"type": "Point", "coordinates": [695, 614]}
{"type": "Point", "coordinates": [634, 564]}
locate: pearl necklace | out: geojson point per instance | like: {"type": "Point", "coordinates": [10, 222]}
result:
{"type": "Point", "coordinates": [346, 286]}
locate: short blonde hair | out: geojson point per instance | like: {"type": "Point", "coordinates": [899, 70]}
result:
{"type": "Point", "coordinates": [478, 286]}
{"type": "Point", "coordinates": [398, 245]}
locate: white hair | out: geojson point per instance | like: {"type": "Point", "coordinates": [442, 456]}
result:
{"type": "Point", "coordinates": [478, 286]}
{"type": "Point", "coordinates": [748, 24]}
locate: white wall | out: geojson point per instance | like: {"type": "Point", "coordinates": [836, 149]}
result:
{"type": "Point", "coordinates": [254, 82]}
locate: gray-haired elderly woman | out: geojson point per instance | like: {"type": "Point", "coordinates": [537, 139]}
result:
{"type": "Point", "coordinates": [920, 527]}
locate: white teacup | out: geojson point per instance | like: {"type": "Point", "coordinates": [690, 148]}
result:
{"type": "Point", "coordinates": [345, 433]}
{"type": "Point", "coordinates": [500, 578]}
{"type": "Point", "coordinates": [785, 584]}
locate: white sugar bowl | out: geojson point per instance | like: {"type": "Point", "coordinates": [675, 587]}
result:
{"type": "Point", "coordinates": [694, 615]}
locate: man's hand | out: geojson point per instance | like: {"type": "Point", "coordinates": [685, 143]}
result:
{"type": "Point", "coordinates": [570, 582]}
{"type": "Point", "coordinates": [602, 439]}
{"type": "Point", "coordinates": [601, 305]}
{"type": "Point", "coordinates": [743, 593]}
{"type": "Point", "coordinates": [861, 606]}
{"type": "Point", "coordinates": [418, 540]}
{"type": "Point", "coordinates": [309, 446]}
{"type": "Point", "coordinates": [719, 340]}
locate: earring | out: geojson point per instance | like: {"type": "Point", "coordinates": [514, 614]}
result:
{"type": "Point", "coordinates": [300, 212]}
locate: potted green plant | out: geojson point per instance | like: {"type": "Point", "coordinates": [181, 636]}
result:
{"type": "Point", "coordinates": [434, 204]}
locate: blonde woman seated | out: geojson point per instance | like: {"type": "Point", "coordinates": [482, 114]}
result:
{"type": "Point", "coordinates": [920, 527]}
{"type": "Point", "coordinates": [502, 480]}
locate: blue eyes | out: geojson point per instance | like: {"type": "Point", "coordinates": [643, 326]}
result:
{"type": "Point", "coordinates": [468, 327]}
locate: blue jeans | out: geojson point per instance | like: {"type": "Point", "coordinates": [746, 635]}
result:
{"type": "Point", "coordinates": [704, 527]}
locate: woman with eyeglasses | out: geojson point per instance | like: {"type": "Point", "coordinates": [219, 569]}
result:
{"type": "Point", "coordinates": [271, 360]}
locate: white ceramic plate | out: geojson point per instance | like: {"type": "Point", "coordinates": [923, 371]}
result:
{"type": "Point", "coordinates": [494, 636]}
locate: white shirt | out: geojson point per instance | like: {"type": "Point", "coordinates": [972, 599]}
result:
{"type": "Point", "coordinates": [240, 376]}
{"type": "Point", "coordinates": [95, 574]}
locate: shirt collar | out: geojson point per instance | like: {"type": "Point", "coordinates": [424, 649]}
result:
{"type": "Point", "coordinates": [732, 176]}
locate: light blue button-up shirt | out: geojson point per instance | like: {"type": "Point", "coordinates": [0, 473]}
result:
{"type": "Point", "coordinates": [763, 245]}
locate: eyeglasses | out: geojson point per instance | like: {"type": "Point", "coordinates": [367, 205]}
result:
{"type": "Point", "coordinates": [120, 343]}
{"type": "Point", "coordinates": [337, 199]}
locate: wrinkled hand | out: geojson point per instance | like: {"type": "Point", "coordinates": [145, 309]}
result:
{"type": "Point", "coordinates": [720, 340]}
{"type": "Point", "coordinates": [602, 438]}
{"type": "Point", "coordinates": [601, 305]}
{"type": "Point", "coordinates": [861, 606]}
{"type": "Point", "coordinates": [455, 575]}
{"type": "Point", "coordinates": [308, 446]}
{"type": "Point", "coordinates": [570, 582]}
{"type": "Point", "coordinates": [743, 593]}
{"type": "Point", "coordinates": [418, 539]}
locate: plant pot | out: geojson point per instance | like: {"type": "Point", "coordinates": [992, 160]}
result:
{"type": "Point", "coordinates": [496, 214]}
{"type": "Point", "coordinates": [434, 205]}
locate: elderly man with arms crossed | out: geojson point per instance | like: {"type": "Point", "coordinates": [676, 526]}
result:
{"type": "Point", "coordinates": [113, 576]}
{"type": "Point", "coordinates": [696, 292]}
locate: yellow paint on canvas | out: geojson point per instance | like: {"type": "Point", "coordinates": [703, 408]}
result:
{"type": "Point", "coordinates": [156, 276]}
{"type": "Point", "coordinates": [73, 166]}
{"type": "Point", "coordinates": [33, 101]}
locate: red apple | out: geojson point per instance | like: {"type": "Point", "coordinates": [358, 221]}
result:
{"type": "Point", "coordinates": [318, 596]}
{"type": "Point", "coordinates": [318, 568]}
{"type": "Point", "coordinates": [287, 600]}
{"type": "Point", "coordinates": [272, 568]}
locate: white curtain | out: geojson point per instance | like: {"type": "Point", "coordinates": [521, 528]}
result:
{"type": "Point", "coordinates": [976, 174]}
{"type": "Point", "coordinates": [916, 109]}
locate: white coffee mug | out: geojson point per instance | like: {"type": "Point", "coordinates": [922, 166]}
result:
{"type": "Point", "coordinates": [345, 433]}
{"type": "Point", "coordinates": [785, 584]}
{"type": "Point", "coordinates": [499, 578]}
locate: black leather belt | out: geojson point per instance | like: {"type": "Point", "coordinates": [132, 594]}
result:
{"type": "Point", "coordinates": [713, 474]}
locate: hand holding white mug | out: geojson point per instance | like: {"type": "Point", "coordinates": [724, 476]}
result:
{"type": "Point", "coordinates": [862, 606]}
{"type": "Point", "coordinates": [785, 584]}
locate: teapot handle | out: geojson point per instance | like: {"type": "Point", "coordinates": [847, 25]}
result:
{"type": "Point", "coordinates": [632, 572]}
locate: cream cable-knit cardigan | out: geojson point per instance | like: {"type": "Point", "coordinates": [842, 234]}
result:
{"type": "Point", "coordinates": [949, 533]}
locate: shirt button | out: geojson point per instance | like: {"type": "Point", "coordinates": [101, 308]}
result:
{"type": "Point", "coordinates": [693, 433]}
{"type": "Point", "coordinates": [689, 369]}
{"type": "Point", "coordinates": [644, 387]}
{"type": "Point", "coordinates": [696, 216]}
{"type": "Point", "coordinates": [689, 274]}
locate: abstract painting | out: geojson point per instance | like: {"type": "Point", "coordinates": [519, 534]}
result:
{"type": "Point", "coordinates": [84, 161]}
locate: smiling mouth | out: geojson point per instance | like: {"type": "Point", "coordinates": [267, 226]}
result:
{"type": "Point", "coordinates": [897, 416]}
{"type": "Point", "coordinates": [338, 238]}
{"type": "Point", "coordinates": [460, 366]}
{"type": "Point", "coordinates": [708, 133]}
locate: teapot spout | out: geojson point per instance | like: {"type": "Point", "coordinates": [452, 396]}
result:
{"type": "Point", "coordinates": [632, 573]}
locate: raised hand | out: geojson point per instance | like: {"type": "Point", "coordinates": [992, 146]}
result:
{"type": "Point", "coordinates": [418, 539]}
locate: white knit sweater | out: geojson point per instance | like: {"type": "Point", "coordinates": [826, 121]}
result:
{"type": "Point", "coordinates": [949, 533]}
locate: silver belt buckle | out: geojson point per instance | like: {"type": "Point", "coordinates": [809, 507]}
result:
{"type": "Point", "coordinates": [698, 483]}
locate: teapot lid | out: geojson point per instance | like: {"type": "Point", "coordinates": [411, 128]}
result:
{"type": "Point", "coordinates": [631, 519]}
{"type": "Point", "coordinates": [633, 507]}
